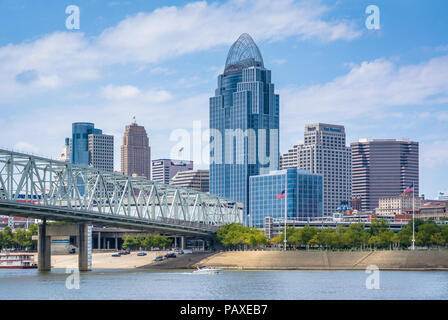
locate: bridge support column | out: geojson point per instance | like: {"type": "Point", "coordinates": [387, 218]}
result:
{"type": "Point", "coordinates": [182, 242]}
{"type": "Point", "coordinates": [44, 248]}
{"type": "Point", "coordinates": [83, 256]}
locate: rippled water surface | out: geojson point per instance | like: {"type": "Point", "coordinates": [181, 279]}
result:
{"type": "Point", "coordinates": [143, 284]}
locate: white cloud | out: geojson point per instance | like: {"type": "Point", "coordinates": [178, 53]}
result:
{"type": "Point", "coordinates": [172, 31]}
{"type": "Point", "coordinates": [162, 70]}
{"type": "Point", "coordinates": [434, 154]}
{"type": "Point", "coordinates": [128, 92]}
{"type": "Point", "coordinates": [280, 61]}
{"type": "Point", "coordinates": [64, 58]}
{"type": "Point", "coordinates": [23, 146]}
{"type": "Point", "coordinates": [120, 92]}
{"type": "Point", "coordinates": [369, 89]}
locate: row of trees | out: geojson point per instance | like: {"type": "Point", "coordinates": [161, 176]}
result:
{"type": "Point", "coordinates": [19, 239]}
{"type": "Point", "coordinates": [237, 236]}
{"type": "Point", "coordinates": [355, 236]}
{"type": "Point", "coordinates": [150, 241]}
{"type": "Point", "coordinates": [427, 234]}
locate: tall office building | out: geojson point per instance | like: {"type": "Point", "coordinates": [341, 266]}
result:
{"type": "Point", "coordinates": [244, 123]}
{"type": "Point", "coordinates": [163, 170]}
{"type": "Point", "coordinates": [192, 179]}
{"type": "Point", "coordinates": [80, 142]}
{"type": "Point", "coordinates": [90, 147]}
{"type": "Point", "coordinates": [324, 151]}
{"type": "Point", "coordinates": [136, 152]}
{"type": "Point", "coordinates": [101, 151]}
{"type": "Point", "coordinates": [383, 168]}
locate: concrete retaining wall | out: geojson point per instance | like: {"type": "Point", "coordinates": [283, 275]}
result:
{"type": "Point", "coordinates": [386, 260]}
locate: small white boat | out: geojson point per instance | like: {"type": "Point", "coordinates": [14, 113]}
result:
{"type": "Point", "coordinates": [206, 270]}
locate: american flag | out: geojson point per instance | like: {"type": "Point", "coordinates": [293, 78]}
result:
{"type": "Point", "coordinates": [409, 189]}
{"type": "Point", "coordinates": [281, 195]}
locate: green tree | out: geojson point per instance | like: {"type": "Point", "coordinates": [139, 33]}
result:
{"type": "Point", "coordinates": [129, 242]}
{"type": "Point", "coordinates": [307, 233]}
{"type": "Point", "coordinates": [294, 237]}
{"type": "Point", "coordinates": [378, 225]}
{"type": "Point", "coordinates": [353, 235]}
{"type": "Point", "coordinates": [236, 235]}
{"type": "Point", "coordinates": [33, 228]}
{"type": "Point", "coordinates": [314, 241]}
{"type": "Point", "coordinates": [148, 242]}
{"type": "Point", "coordinates": [7, 238]}
{"type": "Point", "coordinates": [374, 241]}
{"type": "Point", "coordinates": [385, 238]}
{"type": "Point", "coordinates": [162, 241]}
{"type": "Point", "coordinates": [22, 239]}
{"type": "Point", "coordinates": [437, 239]}
{"type": "Point", "coordinates": [325, 237]}
{"type": "Point", "coordinates": [405, 236]}
{"type": "Point", "coordinates": [277, 240]}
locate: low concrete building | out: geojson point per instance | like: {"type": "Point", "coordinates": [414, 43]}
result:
{"type": "Point", "coordinates": [397, 204]}
{"type": "Point", "coordinates": [431, 211]}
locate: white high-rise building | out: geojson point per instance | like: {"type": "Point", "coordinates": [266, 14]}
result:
{"type": "Point", "coordinates": [101, 151]}
{"type": "Point", "coordinates": [65, 153]}
{"type": "Point", "coordinates": [324, 151]}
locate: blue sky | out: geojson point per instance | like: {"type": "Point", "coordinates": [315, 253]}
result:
{"type": "Point", "coordinates": [158, 61]}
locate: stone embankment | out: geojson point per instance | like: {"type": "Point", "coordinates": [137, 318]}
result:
{"type": "Point", "coordinates": [328, 260]}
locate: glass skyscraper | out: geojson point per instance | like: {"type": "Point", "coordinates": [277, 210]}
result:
{"type": "Point", "coordinates": [300, 189]}
{"type": "Point", "coordinates": [244, 123]}
{"type": "Point", "coordinates": [80, 142]}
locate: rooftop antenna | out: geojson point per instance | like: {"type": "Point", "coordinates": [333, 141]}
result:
{"type": "Point", "coordinates": [135, 121]}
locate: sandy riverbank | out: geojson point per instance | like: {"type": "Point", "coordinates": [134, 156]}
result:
{"type": "Point", "coordinates": [322, 260]}
{"type": "Point", "coordinates": [104, 260]}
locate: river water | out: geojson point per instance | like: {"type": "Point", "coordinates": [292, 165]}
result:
{"type": "Point", "coordinates": [282, 285]}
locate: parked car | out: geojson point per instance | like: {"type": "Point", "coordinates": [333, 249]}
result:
{"type": "Point", "coordinates": [155, 249]}
{"type": "Point", "coordinates": [72, 250]}
{"type": "Point", "coordinates": [140, 254]}
{"type": "Point", "coordinates": [158, 258]}
{"type": "Point", "coordinates": [178, 251]}
{"type": "Point", "coordinates": [125, 252]}
{"type": "Point", "coordinates": [170, 255]}
{"type": "Point", "coordinates": [116, 255]}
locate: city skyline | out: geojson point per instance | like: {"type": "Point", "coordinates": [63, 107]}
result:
{"type": "Point", "coordinates": [375, 83]}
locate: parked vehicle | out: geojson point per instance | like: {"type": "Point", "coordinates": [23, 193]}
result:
{"type": "Point", "coordinates": [155, 249]}
{"type": "Point", "coordinates": [170, 255]}
{"type": "Point", "coordinates": [158, 258]}
{"type": "Point", "coordinates": [178, 251]}
{"type": "Point", "coordinates": [125, 252]}
{"type": "Point", "coordinates": [116, 255]}
{"type": "Point", "coordinates": [140, 254]}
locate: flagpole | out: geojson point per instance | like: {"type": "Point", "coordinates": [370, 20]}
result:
{"type": "Point", "coordinates": [286, 211]}
{"type": "Point", "coordinates": [413, 215]}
